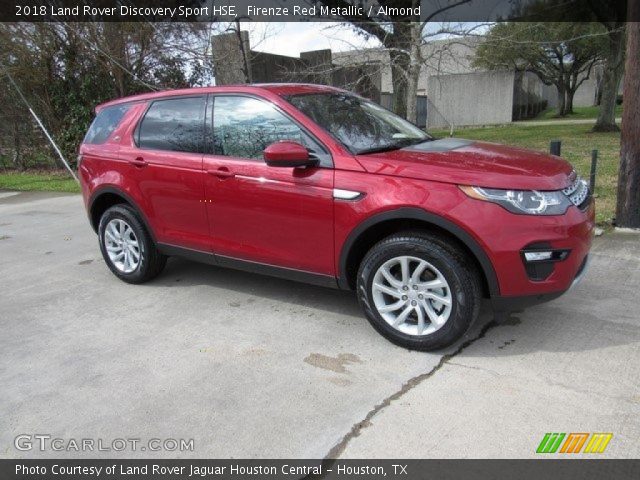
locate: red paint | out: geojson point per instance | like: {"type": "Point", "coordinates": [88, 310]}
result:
{"type": "Point", "coordinates": [479, 164]}
{"type": "Point", "coordinates": [287, 216]}
{"type": "Point", "coordinates": [284, 153]}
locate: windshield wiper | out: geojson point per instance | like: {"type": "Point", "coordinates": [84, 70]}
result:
{"type": "Point", "coordinates": [393, 146]}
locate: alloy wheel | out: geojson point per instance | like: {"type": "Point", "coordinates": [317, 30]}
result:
{"type": "Point", "coordinates": [122, 245]}
{"type": "Point", "coordinates": [412, 295]}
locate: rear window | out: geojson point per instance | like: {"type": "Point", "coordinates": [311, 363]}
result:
{"type": "Point", "coordinates": [105, 123]}
{"type": "Point", "coordinates": [175, 124]}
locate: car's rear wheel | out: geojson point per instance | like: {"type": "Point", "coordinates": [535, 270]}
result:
{"type": "Point", "coordinates": [127, 246]}
{"type": "Point", "coordinates": [419, 292]}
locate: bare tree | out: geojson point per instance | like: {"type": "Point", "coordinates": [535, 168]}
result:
{"type": "Point", "coordinates": [400, 37]}
{"type": "Point", "coordinates": [65, 69]}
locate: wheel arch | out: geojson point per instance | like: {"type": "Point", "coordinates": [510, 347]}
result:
{"type": "Point", "coordinates": [107, 197]}
{"type": "Point", "coordinates": [374, 228]}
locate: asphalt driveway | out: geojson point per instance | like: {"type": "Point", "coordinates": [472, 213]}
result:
{"type": "Point", "coordinates": [250, 366]}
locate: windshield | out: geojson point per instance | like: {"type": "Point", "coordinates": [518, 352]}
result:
{"type": "Point", "coordinates": [360, 125]}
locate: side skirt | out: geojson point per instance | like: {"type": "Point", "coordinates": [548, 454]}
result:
{"type": "Point", "coordinates": [249, 266]}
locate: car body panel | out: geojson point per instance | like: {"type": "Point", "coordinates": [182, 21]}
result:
{"type": "Point", "coordinates": [478, 164]}
{"type": "Point", "coordinates": [272, 215]}
{"type": "Point", "coordinates": [288, 218]}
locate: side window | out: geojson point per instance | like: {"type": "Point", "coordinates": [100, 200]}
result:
{"type": "Point", "coordinates": [243, 127]}
{"type": "Point", "coordinates": [176, 124]}
{"type": "Point", "coordinates": [105, 123]}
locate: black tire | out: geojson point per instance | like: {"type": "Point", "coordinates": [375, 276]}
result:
{"type": "Point", "coordinates": [458, 270]}
{"type": "Point", "coordinates": [151, 262]}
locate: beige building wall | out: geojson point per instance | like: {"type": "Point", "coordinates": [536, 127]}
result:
{"type": "Point", "coordinates": [470, 99]}
{"type": "Point", "coordinates": [442, 57]}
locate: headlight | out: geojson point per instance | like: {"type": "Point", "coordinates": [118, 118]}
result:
{"type": "Point", "coordinates": [528, 202]}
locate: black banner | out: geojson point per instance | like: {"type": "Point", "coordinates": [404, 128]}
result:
{"type": "Point", "coordinates": [312, 10]}
{"type": "Point", "coordinates": [315, 469]}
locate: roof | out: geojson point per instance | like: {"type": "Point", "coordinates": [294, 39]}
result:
{"type": "Point", "coordinates": [296, 88]}
{"type": "Point", "coordinates": [281, 89]}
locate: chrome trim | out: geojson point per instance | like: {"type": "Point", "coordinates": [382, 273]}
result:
{"type": "Point", "coordinates": [578, 191]}
{"type": "Point", "coordinates": [288, 273]}
{"type": "Point", "coordinates": [258, 179]}
{"type": "Point", "coordinates": [346, 194]}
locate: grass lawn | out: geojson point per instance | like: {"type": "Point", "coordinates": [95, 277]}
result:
{"type": "Point", "coordinates": [38, 180]}
{"type": "Point", "coordinates": [578, 113]}
{"type": "Point", "coordinates": [577, 143]}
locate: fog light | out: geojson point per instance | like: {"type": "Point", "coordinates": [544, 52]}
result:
{"type": "Point", "coordinates": [538, 256]}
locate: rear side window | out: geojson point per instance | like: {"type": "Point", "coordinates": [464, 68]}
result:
{"type": "Point", "coordinates": [105, 123]}
{"type": "Point", "coordinates": [175, 125]}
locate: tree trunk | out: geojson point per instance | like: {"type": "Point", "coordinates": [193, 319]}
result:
{"type": "Point", "coordinates": [561, 99]}
{"type": "Point", "coordinates": [17, 147]}
{"type": "Point", "coordinates": [413, 74]}
{"type": "Point", "coordinates": [628, 206]}
{"type": "Point", "coordinates": [568, 108]}
{"type": "Point", "coordinates": [613, 68]}
{"type": "Point", "coordinates": [399, 44]}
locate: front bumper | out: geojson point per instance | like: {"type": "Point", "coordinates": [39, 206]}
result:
{"type": "Point", "coordinates": [506, 238]}
{"type": "Point", "coordinates": [581, 272]}
{"type": "Point", "coordinates": [515, 303]}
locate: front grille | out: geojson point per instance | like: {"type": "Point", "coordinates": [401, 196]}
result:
{"type": "Point", "coordinates": [578, 193]}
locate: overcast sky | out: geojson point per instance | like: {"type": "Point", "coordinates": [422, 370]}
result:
{"type": "Point", "coordinates": [291, 38]}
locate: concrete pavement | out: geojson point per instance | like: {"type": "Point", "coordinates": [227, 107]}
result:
{"type": "Point", "coordinates": [253, 367]}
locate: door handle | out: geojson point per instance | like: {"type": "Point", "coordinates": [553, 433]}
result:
{"type": "Point", "coordinates": [138, 162]}
{"type": "Point", "coordinates": [222, 173]}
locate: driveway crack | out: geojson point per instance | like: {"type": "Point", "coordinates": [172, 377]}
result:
{"type": "Point", "coordinates": [410, 384]}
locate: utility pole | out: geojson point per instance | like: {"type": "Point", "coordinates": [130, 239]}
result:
{"type": "Point", "coordinates": [628, 206]}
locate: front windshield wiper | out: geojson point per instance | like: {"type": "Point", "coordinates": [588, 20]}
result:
{"type": "Point", "coordinates": [394, 146]}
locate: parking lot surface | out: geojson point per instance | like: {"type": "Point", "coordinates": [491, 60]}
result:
{"type": "Point", "coordinates": [255, 367]}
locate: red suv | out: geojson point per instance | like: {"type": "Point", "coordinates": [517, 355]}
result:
{"type": "Point", "coordinates": [319, 185]}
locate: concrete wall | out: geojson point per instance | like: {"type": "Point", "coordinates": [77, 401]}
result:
{"type": "Point", "coordinates": [457, 92]}
{"type": "Point", "coordinates": [441, 57]}
{"type": "Point", "coordinates": [470, 99]}
{"type": "Point", "coordinates": [316, 66]}
{"type": "Point", "coordinates": [374, 62]}
{"type": "Point", "coordinates": [585, 96]}
{"type": "Point", "coordinates": [268, 67]}
{"type": "Point", "coordinates": [528, 96]}
{"type": "Point", "coordinates": [228, 57]}
{"type": "Point", "coordinates": [319, 65]}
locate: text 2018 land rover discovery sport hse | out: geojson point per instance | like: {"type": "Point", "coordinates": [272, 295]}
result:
{"type": "Point", "coordinates": [320, 185]}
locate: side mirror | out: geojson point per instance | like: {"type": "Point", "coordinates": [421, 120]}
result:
{"type": "Point", "coordinates": [287, 154]}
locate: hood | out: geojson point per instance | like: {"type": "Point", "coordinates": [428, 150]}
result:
{"type": "Point", "coordinates": [467, 162]}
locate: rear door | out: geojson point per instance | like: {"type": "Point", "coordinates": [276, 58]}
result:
{"type": "Point", "coordinates": [165, 158]}
{"type": "Point", "coordinates": [278, 216]}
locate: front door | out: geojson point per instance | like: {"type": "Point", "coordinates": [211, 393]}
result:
{"type": "Point", "coordinates": [278, 216]}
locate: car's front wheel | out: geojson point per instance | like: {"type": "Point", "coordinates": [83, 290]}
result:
{"type": "Point", "coordinates": [127, 246]}
{"type": "Point", "coordinates": [418, 292]}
